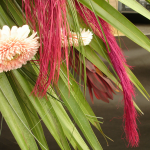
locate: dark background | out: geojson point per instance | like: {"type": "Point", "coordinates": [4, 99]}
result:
{"type": "Point", "coordinates": [112, 112]}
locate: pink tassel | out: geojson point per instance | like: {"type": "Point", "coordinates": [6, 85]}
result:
{"type": "Point", "coordinates": [119, 64]}
{"type": "Point", "coordinates": [48, 17]}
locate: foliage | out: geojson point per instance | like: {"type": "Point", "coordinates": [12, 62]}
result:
{"type": "Point", "coordinates": [24, 112]}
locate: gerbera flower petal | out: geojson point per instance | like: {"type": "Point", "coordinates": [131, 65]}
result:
{"type": "Point", "coordinates": [13, 31]}
{"type": "Point", "coordinates": [5, 32]}
{"type": "Point", "coordinates": [16, 48]}
{"type": "Point", "coordinates": [23, 32]}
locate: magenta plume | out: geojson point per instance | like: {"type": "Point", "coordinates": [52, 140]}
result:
{"type": "Point", "coordinates": [119, 63]}
{"type": "Point", "coordinates": [48, 17]}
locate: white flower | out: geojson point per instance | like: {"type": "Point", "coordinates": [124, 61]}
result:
{"type": "Point", "coordinates": [75, 38]}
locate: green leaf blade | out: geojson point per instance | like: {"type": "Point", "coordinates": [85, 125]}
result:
{"type": "Point", "coordinates": [116, 19]}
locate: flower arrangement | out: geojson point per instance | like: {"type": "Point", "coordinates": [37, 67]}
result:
{"type": "Point", "coordinates": [40, 41]}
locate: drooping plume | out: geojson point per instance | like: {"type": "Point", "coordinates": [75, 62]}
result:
{"type": "Point", "coordinates": [16, 48]}
{"type": "Point", "coordinates": [119, 63]}
{"type": "Point", "coordinates": [48, 17]}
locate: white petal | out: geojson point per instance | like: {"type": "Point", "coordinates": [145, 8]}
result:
{"type": "Point", "coordinates": [5, 32]}
{"type": "Point", "coordinates": [14, 31]}
{"type": "Point", "coordinates": [33, 35]}
{"type": "Point", "coordinates": [23, 31]}
{"type": "Point", "coordinates": [0, 34]}
{"type": "Point", "coordinates": [86, 36]}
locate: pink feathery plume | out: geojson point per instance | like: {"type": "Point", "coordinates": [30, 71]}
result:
{"type": "Point", "coordinates": [48, 17]}
{"type": "Point", "coordinates": [119, 63]}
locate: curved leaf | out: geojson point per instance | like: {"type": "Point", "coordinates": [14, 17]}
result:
{"type": "Point", "coordinates": [116, 19]}
{"type": "Point", "coordinates": [45, 110]}
{"type": "Point", "coordinates": [69, 129]}
{"type": "Point", "coordinates": [30, 113]}
{"type": "Point", "coordinates": [16, 121]}
{"type": "Point", "coordinates": [74, 108]}
{"type": "Point", "coordinates": [137, 7]}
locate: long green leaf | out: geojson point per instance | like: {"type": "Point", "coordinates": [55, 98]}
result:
{"type": "Point", "coordinates": [45, 110]}
{"type": "Point", "coordinates": [77, 113]}
{"type": "Point", "coordinates": [116, 19]}
{"type": "Point", "coordinates": [80, 98]}
{"type": "Point", "coordinates": [13, 122]}
{"type": "Point", "coordinates": [3, 16]}
{"type": "Point", "coordinates": [29, 111]}
{"type": "Point", "coordinates": [137, 7]}
{"type": "Point", "coordinates": [22, 129]}
{"type": "Point", "coordinates": [137, 84]}
{"type": "Point", "coordinates": [13, 12]}
{"type": "Point", "coordinates": [69, 129]}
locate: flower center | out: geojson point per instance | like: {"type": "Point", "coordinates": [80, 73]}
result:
{"type": "Point", "coordinates": [15, 56]}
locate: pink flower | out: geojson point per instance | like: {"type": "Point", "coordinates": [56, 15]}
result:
{"type": "Point", "coordinates": [16, 48]}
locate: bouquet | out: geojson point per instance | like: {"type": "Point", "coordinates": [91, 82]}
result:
{"type": "Point", "coordinates": [44, 46]}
